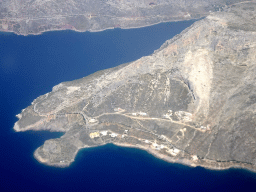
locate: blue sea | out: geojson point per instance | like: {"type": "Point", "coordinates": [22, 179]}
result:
{"type": "Point", "coordinates": [30, 66]}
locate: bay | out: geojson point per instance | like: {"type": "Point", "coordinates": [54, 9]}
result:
{"type": "Point", "coordinates": [30, 66]}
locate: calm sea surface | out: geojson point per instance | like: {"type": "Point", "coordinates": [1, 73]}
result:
{"type": "Point", "coordinates": [30, 66]}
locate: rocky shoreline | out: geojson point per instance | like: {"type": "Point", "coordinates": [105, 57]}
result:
{"type": "Point", "coordinates": [27, 18]}
{"type": "Point", "coordinates": [191, 102]}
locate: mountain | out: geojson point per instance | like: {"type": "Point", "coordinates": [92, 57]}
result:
{"type": "Point", "coordinates": [36, 16]}
{"type": "Point", "coordinates": [192, 101]}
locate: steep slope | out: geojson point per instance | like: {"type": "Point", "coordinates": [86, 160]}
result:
{"type": "Point", "coordinates": [36, 16]}
{"type": "Point", "coordinates": [192, 101]}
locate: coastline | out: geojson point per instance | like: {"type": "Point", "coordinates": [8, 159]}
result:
{"type": "Point", "coordinates": [103, 29]}
{"type": "Point", "coordinates": [205, 163]}
{"type": "Point", "coordinates": [182, 155]}
{"type": "Point", "coordinates": [187, 162]}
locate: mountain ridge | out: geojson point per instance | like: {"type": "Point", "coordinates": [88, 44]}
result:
{"type": "Point", "coordinates": [192, 101]}
{"type": "Point", "coordinates": [37, 16]}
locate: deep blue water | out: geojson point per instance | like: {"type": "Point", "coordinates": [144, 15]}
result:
{"type": "Point", "coordinates": [30, 66]}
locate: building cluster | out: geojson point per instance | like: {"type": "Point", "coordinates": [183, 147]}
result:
{"type": "Point", "coordinates": [103, 133]}
{"type": "Point", "coordinates": [157, 146]}
{"type": "Point", "coordinates": [113, 135]}
{"type": "Point", "coordinates": [173, 151]}
{"type": "Point", "coordinates": [140, 114]}
{"type": "Point", "coordinates": [183, 116]}
{"type": "Point", "coordinates": [207, 128]}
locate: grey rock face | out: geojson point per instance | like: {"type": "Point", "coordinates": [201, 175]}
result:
{"type": "Point", "coordinates": [192, 101]}
{"type": "Point", "coordinates": [36, 16]}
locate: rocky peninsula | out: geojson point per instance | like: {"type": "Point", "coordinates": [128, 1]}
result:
{"type": "Point", "coordinates": [193, 101]}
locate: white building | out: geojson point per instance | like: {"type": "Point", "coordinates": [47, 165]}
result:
{"type": "Point", "coordinates": [113, 134]}
{"type": "Point", "coordinates": [194, 158]}
{"type": "Point", "coordinates": [173, 152]}
{"type": "Point", "coordinates": [167, 116]}
{"type": "Point", "coordinates": [104, 133]}
{"type": "Point", "coordinates": [142, 113]}
{"type": "Point", "coordinates": [92, 120]}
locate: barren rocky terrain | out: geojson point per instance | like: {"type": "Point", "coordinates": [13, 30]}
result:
{"type": "Point", "coordinates": [36, 16]}
{"type": "Point", "coordinates": [192, 101]}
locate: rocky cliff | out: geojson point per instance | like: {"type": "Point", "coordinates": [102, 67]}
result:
{"type": "Point", "coordinates": [192, 101]}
